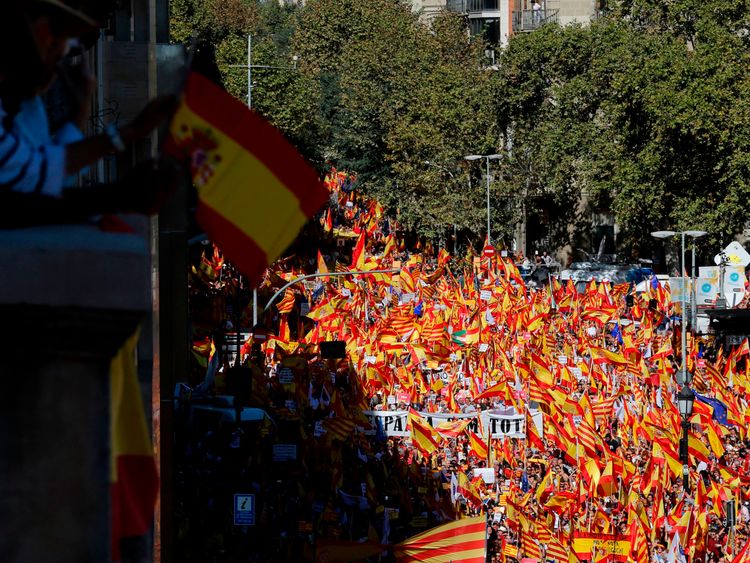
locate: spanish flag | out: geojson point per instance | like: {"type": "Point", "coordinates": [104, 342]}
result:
{"type": "Point", "coordinates": [255, 191]}
{"type": "Point", "coordinates": [423, 436]}
{"type": "Point", "coordinates": [134, 480]}
{"type": "Point", "coordinates": [461, 541]}
{"type": "Point", "coordinates": [477, 445]}
{"type": "Point", "coordinates": [467, 489]}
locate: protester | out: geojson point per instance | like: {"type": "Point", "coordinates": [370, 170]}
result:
{"type": "Point", "coordinates": [35, 36]}
{"type": "Point", "coordinates": [442, 338]}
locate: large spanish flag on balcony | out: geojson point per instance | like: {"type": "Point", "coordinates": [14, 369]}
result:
{"type": "Point", "coordinates": [255, 191]}
{"type": "Point", "coordinates": [461, 541]}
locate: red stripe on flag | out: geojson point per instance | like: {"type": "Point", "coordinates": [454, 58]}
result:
{"type": "Point", "coordinates": [265, 142]}
{"type": "Point", "coordinates": [470, 528]}
{"type": "Point", "coordinates": [241, 249]}
{"type": "Point", "coordinates": [133, 496]}
{"type": "Point", "coordinates": [450, 551]}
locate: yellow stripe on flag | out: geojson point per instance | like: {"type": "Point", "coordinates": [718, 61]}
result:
{"type": "Point", "coordinates": [467, 556]}
{"type": "Point", "coordinates": [128, 429]}
{"type": "Point", "coordinates": [458, 541]}
{"type": "Point", "coordinates": [134, 480]}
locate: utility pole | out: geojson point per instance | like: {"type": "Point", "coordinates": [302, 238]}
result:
{"type": "Point", "coordinates": [250, 66]}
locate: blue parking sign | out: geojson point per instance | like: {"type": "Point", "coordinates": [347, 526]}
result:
{"type": "Point", "coordinates": [244, 510]}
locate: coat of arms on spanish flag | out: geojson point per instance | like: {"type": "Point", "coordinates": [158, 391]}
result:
{"type": "Point", "coordinates": [255, 191]}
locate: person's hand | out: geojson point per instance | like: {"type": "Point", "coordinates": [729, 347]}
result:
{"type": "Point", "coordinates": [156, 112]}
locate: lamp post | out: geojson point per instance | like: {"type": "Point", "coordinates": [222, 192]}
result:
{"type": "Point", "coordinates": [694, 235]}
{"type": "Point", "coordinates": [685, 400]}
{"type": "Point", "coordinates": [488, 157]}
{"type": "Point", "coordinates": [250, 66]}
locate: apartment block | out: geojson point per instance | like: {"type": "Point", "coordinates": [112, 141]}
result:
{"type": "Point", "coordinates": [498, 20]}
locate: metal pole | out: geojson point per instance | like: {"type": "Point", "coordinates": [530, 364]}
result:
{"type": "Point", "coordinates": [318, 275]}
{"type": "Point", "coordinates": [488, 200]}
{"type": "Point", "coordinates": [238, 316]}
{"type": "Point", "coordinates": [250, 71]}
{"type": "Point", "coordinates": [694, 308]}
{"type": "Point", "coordinates": [250, 106]}
{"type": "Point", "coordinates": [685, 468]}
{"type": "Point", "coordinates": [682, 322]}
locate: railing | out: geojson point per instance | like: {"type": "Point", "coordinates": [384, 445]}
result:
{"type": "Point", "coordinates": [529, 20]}
{"type": "Point", "coordinates": [458, 6]}
{"type": "Point", "coordinates": [472, 6]}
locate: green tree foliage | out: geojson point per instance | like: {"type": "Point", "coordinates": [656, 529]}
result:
{"type": "Point", "coordinates": [402, 104]}
{"type": "Point", "coordinates": [373, 90]}
{"type": "Point", "coordinates": [643, 114]}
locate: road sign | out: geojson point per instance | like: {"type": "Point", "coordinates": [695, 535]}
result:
{"type": "Point", "coordinates": [259, 334]}
{"type": "Point", "coordinates": [706, 290]}
{"type": "Point", "coordinates": [679, 289]}
{"type": "Point", "coordinates": [244, 510]}
{"type": "Point", "coordinates": [284, 452]}
{"type": "Point", "coordinates": [488, 251]}
{"type": "Point", "coordinates": [734, 284]}
{"type": "Point", "coordinates": [733, 255]}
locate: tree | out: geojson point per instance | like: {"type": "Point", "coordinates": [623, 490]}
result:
{"type": "Point", "coordinates": [644, 117]}
{"type": "Point", "coordinates": [397, 95]}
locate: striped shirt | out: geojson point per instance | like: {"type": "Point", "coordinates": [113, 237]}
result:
{"type": "Point", "coordinates": [27, 168]}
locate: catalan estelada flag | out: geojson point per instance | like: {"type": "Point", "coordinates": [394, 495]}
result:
{"type": "Point", "coordinates": [461, 541]}
{"type": "Point", "coordinates": [255, 191]}
{"type": "Point", "coordinates": [133, 475]}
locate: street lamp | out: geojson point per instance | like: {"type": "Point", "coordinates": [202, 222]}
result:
{"type": "Point", "coordinates": [488, 157]}
{"type": "Point", "coordinates": [694, 235]}
{"type": "Point", "coordinates": [685, 400]}
{"type": "Point", "coordinates": [250, 66]}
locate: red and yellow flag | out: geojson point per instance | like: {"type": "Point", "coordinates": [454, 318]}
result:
{"type": "Point", "coordinates": [466, 488]}
{"type": "Point", "coordinates": [322, 268]}
{"type": "Point", "coordinates": [461, 541]}
{"type": "Point", "coordinates": [358, 254]}
{"type": "Point", "coordinates": [423, 436]}
{"type": "Point", "coordinates": [477, 445]}
{"type": "Point", "coordinates": [134, 480]}
{"type": "Point", "coordinates": [255, 191]}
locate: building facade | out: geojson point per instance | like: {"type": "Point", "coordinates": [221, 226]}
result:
{"type": "Point", "coordinates": [499, 20]}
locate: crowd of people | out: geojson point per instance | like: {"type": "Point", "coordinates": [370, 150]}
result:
{"type": "Point", "coordinates": [445, 342]}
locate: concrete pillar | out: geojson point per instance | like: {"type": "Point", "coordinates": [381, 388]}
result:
{"type": "Point", "coordinates": [69, 297]}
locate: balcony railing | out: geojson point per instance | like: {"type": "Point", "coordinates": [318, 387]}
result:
{"type": "Point", "coordinates": [529, 20]}
{"type": "Point", "coordinates": [473, 6]}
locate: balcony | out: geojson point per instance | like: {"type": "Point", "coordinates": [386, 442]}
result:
{"type": "Point", "coordinates": [69, 297]}
{"type": "Point", "coordinates": [474, 8]}
{"type": "Point", "coordinates": [529, 20]}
